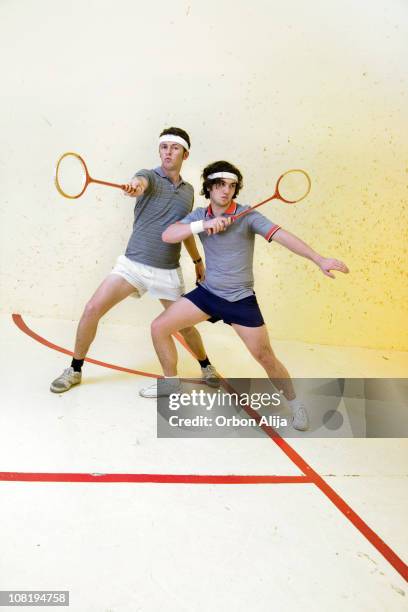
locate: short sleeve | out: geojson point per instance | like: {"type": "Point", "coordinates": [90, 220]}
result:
{"type": "Point", "coordinates": [261, 225]}
{"type": "Point", "coordinates": [148, 175]}
{"type": "Point", "coordinates": [197, 214]}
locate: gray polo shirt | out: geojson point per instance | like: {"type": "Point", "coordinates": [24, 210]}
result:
{"type": "Point", "coordinates": [229, 255]}
{"type": "Point", "coordinates": [161, 205]}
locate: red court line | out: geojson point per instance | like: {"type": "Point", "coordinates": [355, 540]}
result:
{"type": "Point", "coordinates": [18, 320]}
{"type": "Point", "coordinates": [335, 498]}
{"type": "Point", "coordinates": [325, 488]}
{"type": "Point", "coordinates": [309, 474]}
{"type": "Point", "coordinates": [159, 478]}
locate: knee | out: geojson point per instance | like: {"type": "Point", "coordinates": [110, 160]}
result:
{"type": "Point", "coordinates": [158, 327]}
{"type": "Point", "coordinates": [92, 310]}
{"type": "Point", "coordinates": [265, 356]}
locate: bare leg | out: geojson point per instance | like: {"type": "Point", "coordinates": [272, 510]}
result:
{"type": "Point", "coordinates": [177, 316]}
{"type": "Point", "coordinates": [190, 335]}
{"type": "Point", "coordinates": [113, 290]}
{"type": "Point", "coordinates": [256, 339]}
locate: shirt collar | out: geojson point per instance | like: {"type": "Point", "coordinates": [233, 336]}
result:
{"type": "Point", "coordinates": [231, 210]}
{"type": "Point", "coordinates": [159, 170]}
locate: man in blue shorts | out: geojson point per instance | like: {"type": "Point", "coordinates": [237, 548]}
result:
{"type": "Point", "coordinates": [149, 264]}
{"type": "Point", "coordinates": [227, 292]}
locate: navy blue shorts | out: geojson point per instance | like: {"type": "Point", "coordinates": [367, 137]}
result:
{"type": "Point", "coordinates": [242, 312]}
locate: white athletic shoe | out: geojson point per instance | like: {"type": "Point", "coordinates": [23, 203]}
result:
{"type": "Point", "coordinates": [164, 389]}
{"type": "Point", "coordinates": [300, 420]}
{"type": "Point", "coordinates": [210, 376]}
{"type": "Point", "coordinates": [68, 379]}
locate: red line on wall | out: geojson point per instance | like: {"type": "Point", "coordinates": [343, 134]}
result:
{"type": "Point", "coordinates": [18, 320]}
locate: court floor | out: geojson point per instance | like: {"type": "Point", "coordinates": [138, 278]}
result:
{"type": "Point", "coordinates": [91, 501]}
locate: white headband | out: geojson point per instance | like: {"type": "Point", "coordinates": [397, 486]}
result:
{"type": "Point", "coordinates": [229, 175]}
{"type": "Point", "coordinates": [174, 138]}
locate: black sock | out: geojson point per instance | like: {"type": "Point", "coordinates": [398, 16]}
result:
{"type": "Point", "coordinates": [204, 362]}
{"type": "Point", "coordinates": [77, 364]}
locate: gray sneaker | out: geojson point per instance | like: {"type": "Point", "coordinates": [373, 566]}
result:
{"type": "Point", "coordinates": [68, 379]}
{"type": "Point", "coordinates": [210, 376]}
{"type": "Point", "coordinates": [300, 420]}
{"type": "Point", "coordinates": [164, 389]}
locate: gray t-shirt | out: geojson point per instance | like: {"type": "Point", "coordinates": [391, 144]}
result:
{"type": "Point", "coordinates": [161, 205]}
{"type": "Point", "coordinates": [229, 254]}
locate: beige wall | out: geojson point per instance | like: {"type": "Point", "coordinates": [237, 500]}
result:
{"type": "Point", "coordinates": [267, 85]}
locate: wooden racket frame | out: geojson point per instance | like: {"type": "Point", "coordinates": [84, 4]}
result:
{"type": "Point", "coordinates": [88, 177]}
{"type": "Point", "coordinates": [277, 195]}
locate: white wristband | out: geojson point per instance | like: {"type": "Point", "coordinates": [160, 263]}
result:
{"type": "Point", "coordinates": [197, 227]}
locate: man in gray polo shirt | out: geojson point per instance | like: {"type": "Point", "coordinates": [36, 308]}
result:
{"type": "Point", "coordinates": [149, 264]}
{"type": "Point", "coordinates": [227, 292]}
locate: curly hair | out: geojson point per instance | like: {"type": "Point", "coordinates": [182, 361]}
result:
{"type": "Point", "coordinates": [219, 166]}
{"type": "Point", "coordinates": [177, 132]}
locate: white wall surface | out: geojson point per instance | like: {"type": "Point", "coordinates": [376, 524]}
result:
{"type": "Point", "coordinates": [267, 85]}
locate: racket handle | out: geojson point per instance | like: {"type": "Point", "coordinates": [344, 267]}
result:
{"type": "Point", "coordinates": [92, 180]}
{"type": "Point", "coordinates": [241, 214]}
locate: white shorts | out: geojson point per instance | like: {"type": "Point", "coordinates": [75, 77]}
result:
{"type": "Point", "coordinates": [159, 282]}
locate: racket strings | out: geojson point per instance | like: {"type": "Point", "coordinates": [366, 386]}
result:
{"type": "Point", "coordinates": [294, 186]}
{"type": "Point", "coordinates": [71, 175]}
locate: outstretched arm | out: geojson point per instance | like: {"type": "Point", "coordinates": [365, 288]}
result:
{"type": "Point", "coordinates": [136, 187]}
{"type": "Point", "coordinates": [294, 244]}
